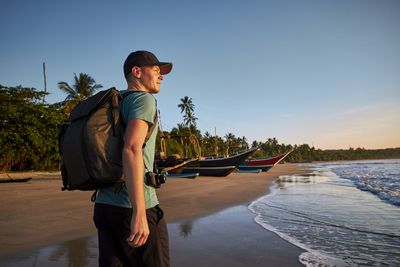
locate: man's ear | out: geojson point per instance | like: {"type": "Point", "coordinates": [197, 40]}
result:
{"type": "Point", "coordinates": [136, 72]}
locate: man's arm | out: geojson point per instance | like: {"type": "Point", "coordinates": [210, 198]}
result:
{"type": "Point", "coordinates": [133, 166]}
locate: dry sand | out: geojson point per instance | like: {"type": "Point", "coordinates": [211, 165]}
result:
{"type": "Point", "coordinates": [37, 213]}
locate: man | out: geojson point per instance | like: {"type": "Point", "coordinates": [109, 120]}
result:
{"type": "Point", "coordinates": [130, 224]}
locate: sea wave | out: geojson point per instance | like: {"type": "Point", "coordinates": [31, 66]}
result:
{"type": "Point", "coordinates": [381, 178]}
{"type": "Point", "coordinates": [334, 222]}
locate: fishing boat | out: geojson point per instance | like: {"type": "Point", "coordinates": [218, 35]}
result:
{"type": "Point", "coordinates": [205, 167]}
{"type": "Point", "coordinates": [263, 164]}
{"type": "Point", "coordinates": [226, 161]}
{"type": "Point", "coordinates": [210, 171]}
{"type": "Point", "coordinates": [183, 175]}
{"type": "Point", "coordinates": [268, 161]}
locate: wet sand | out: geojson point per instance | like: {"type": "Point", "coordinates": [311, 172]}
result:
{"type": "Point", "coordinates": [227, 238]}
{"type": "Point", "coordinates": [36, 214]}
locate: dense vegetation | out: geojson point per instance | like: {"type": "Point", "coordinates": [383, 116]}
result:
{"type": "Point", "coordinates": [28, 133]}
{"type": "Point", "coordinates": [29, 126]}
{"type": "Point", "coordinates": [305, 153]}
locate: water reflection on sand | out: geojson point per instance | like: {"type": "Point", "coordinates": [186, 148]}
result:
{"type": "Point", "coordinates": [186, 229]}
{"type": "Point", "coordinates": [77, 253]}
{"type": "Point", "coordinates": [81, 252]}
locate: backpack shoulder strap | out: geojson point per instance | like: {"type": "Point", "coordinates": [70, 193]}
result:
{"type": "Point", "coordinates": [152, 128]}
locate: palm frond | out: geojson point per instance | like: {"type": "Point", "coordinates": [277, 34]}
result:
{"type": "Point", "coordinates": [66, 88]}
{"type": "Point", "coordinates": [84, 86]}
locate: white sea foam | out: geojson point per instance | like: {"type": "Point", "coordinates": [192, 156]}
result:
{"type": "Point", "coordinates": [333, 221]}
{"type": "Point", "coordinates": [310, 258]}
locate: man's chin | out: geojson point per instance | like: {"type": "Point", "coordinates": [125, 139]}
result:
{"type": "Point", "coordinates": [155, 91]}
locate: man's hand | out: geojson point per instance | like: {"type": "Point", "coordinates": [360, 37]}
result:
{"type": "Point", "coordinates": [139, 230]}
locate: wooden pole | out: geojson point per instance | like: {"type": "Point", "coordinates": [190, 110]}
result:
{"type": "Point", "coordinates": [215, 142]}
{"type": "Point", "coordinates": [45, 83]}
{"type": "Point", "coordinates": [163, 146]}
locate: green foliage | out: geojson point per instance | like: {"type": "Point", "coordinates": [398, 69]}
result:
{"type": "Point", "coordinates": [187, 107]}
{"type": "Point", "coordinates": [305, 153]}
{"type": "Point", "coordinates": [28, 133]}
{"type": "Point", "coordinates": [83, 87]}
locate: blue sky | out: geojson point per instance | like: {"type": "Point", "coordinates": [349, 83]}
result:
{"type": "Point", "coordinates": [325, 73]}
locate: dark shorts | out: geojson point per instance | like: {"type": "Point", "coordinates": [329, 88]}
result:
{"type": "Point", "coordinates": [113, 226]}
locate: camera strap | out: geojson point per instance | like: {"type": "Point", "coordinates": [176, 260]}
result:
{"type": "Point", "coordinates": [150, 132]}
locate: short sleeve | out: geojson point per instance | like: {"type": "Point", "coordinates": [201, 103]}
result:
{"type": "Point", "coordinates": [140, 105]}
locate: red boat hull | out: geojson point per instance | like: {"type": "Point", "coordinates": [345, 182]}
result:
{"type": "Point", "coordinates": [269, 161]}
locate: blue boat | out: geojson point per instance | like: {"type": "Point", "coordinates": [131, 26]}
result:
{"type": "Point", "coordinates": [182, 175]}
{"type": "Point", "coordinates": [263, 168]}
{"type": "Point", "coordinates": [248, 171]}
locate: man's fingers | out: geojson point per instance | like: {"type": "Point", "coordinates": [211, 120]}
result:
{"type": "Point", "coordinates": [142, 240]}
{"type": "Point", "coordinates": [137, 240]}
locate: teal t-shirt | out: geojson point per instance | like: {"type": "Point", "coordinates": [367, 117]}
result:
{"type": "Point", "coordinates": [142, 106]}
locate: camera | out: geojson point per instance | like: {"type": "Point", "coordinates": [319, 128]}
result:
{"type": "Point", "coordinates": [155, 179]}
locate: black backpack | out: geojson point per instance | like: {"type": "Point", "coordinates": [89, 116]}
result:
{"type": "Point", "coordinates": [91, 142]}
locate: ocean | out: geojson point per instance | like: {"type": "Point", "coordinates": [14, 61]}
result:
{"type": "Point", "coordinates": [341, 213]}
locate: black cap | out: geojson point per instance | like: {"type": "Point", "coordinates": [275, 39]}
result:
{"type": "Point", "coordinates": [145, 58]}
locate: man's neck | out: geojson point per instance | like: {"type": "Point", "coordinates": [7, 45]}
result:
{"type": "Point", "coordinates": [137, 88]}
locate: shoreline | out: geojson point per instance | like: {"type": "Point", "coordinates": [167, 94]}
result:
{"type": "Point", "coordinates": [38, 214]}
{"type": "Point", "coordinates": [207, 195]}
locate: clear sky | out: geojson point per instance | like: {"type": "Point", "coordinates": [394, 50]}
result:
{"type": "Point", "coordinates": [325, 73]}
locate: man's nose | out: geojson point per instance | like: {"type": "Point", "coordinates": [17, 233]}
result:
{"type": "Point", "coordinates": [161, 77]}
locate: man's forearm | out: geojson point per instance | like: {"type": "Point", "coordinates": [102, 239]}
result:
{"type": "Point", "coordinates": [134, 169]}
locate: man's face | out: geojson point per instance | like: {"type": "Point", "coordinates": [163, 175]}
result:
{"type": "Point", "coordinates": [151, 78]}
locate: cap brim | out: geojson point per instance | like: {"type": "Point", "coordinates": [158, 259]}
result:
{"type": "Point", "coordinates": [165, 67]}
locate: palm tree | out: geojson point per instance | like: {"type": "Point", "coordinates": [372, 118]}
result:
{"type": "Point", "coordinates": [187, 107]}
{"type": "Point", "coordinates": [179, 133]}
{"type": "Point", "coordinates": [83, 87]}
{"type": "Point", "coordinates": [206, 143]}
{"type": "Point", "coordinates": [186, 104]}
{"type": "Point", "coordinates": [255, 144]}
{"type": "Point", "coordinates": [244, 143]}
{"type": "Point", "coordinates": [190, 120]}
{"type": "Point", "coordinates": [230, 137]}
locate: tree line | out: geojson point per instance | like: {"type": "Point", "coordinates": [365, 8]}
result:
{"type": "Point", "coordinates": [29, 130]}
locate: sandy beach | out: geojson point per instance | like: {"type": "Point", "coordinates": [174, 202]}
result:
{"type": "Point", "coordinates": [37, 214]}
